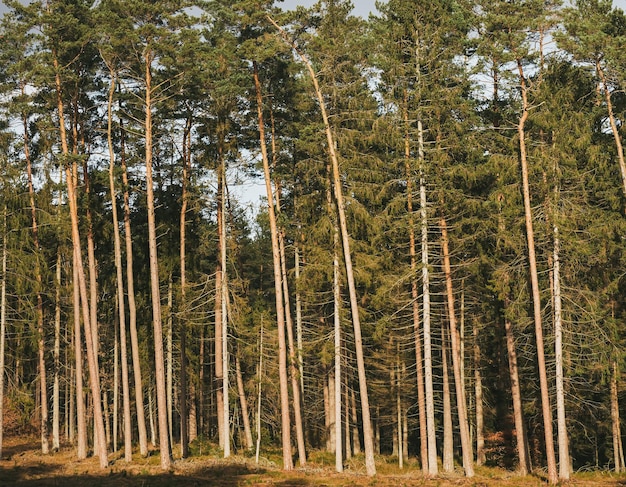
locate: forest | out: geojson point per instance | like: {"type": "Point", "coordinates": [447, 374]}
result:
{"type": "Point", "coordinates": [434, 270]}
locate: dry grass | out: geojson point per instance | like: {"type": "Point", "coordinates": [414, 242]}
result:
{"type": "Point", "coordinates": [23, 465]}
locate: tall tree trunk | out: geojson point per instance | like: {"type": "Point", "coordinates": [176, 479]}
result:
{"type": "Point", "coordinates": [92, 359]}
{"type": "Point", "coordinates": [419, 365]}
{"type": "Point", "coordinates": [564, 459]}
{"type": "Point", "coordinates": [337, 322]}
{"type": "Point", "coordinates": [56, 391]}
{"type": "Point", "coordinates": [448, 440]}
{"type": "Point", "coordinates": [461, 404]}
{"type": "Point", "coordinates": [224, 315]}
{"type": "Point", "coordinates": [164, 444]}
{"type": "Point", "coordinates": [368, 436]}
{"type": "Point", "coordinates": [3, 320]}
{"type": "Point", "coordinates": [119, 274]}
{"type": "Point", "coordinates": [280, 307]}
{"type": "Point", "coordinates": [299, 318]}
{"type": "Point", "coordinates": [81, 422]}
{"type": "Point", "coordinates": [219, 373]}
{"type": "Point", "coordinates": [132, 307]}
{"type": "Point", "coordinates": [184, 420]}
{"type": "Point", "coordinates": [534, 281]}
{"type": "Point", "coordinates": [39, 308]}
{"type": "Point", "coordinates": [399, 410]}
{"type": "Point", "coordinates": [169, 358]}
{"type": "Point", "coordinates": [428, 363]}
{"type": "Point", "coordinates": [258, 401]}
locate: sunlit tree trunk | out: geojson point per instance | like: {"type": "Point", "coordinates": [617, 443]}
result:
{"type": "Point", "coordinates": [132, 308]}
{"type": "Point", "coordinates": [478, 387]}
{"type": "Point", "coordinates": [119, 274]}
{"type": "Point", "coordinates": [461, 404]}
{"type": "Point", "coordinates": [245, 416]}
{"type": "Point", "coordinates": [615, 421]}
{"type": "Point", "coordinates": [259, 395]}
{"type": "Point", "coordinates": [3, 320]}
{"type": "Point", "coordinates": [164, 444]}
{"type": "Point", "coordinates": [534, 281]}
{"type": "Point", "coordinates": [81, 422]}
{"type": "Point", "coordinates": [447, 463]}
{"type": "Point", "coordinates": [280, 308]}
{"type": "Point", "coordinates": [56, 387]}
{"type": "Point", "coordinates": [337, 322]}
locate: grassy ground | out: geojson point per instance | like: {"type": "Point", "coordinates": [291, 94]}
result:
{"type": "Point", "coordinates": [23, 465]}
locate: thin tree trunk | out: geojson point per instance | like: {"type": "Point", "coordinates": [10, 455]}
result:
{"type": "Point", "coordinates": [480, 434]}
{"type": "Point", "coordinates": [132, 308]}
{"type": "Point", "coordinates": [448, 441]}
{"type": "Point", "coordinates": [164, 444]}
{"type": "Point", "coordinates": [92, 359]}
{"type": "Point", "coordinates": [419, 365]}
{"type": "Point", "coordinates": [534, 280]}
{"type": "Point", "coordinates": [184, 420]}
{"type": "Point", "coordinates": [299, 318]}
{"type": "Point", "coordinates": [399, 411]}
{"type": "Point", "coordinates": [337, 323]}
{"type": "Point", "coordinates": [258, 402]}
{"type": "Point", "coordinates": [368, 438]}
{"type": "Point", "coordinates": [81, 421]}
{"type": "Point", "coordinates": [3, 321]}
{"type": "Point", "coordinates": [564, 459]}
{"type": "Point", "coordinates": [461, 404]}
{"type": "Point", "coordinates": [119, 273]}
{"type": "Point", "coordinates": [615, 421]}
{"type": "Point", "coordinates": [356, 440]}
{"type": "Point", "coordinates": [169, 358]}
{"type": "Point", "coordinates": [39, 309]}
{"type": "Point", "coordinates": [56, 392]}
{"type": "Point", "coordinates": [428, 367]}
{"type": "Point", "coordinates": [224, 315]}
{"type": "Point", "coordinates": [244, 405]}
{"type": "Point", "coordinates": [280, 307]}
{"type": "Point", "coordinates": [116, 380]}
{"type": "Point", "coordinates": [218, 309]}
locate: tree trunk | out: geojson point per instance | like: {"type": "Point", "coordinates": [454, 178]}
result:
{"type": "Point", "coordinates": [245, 416]}
{"type": "Point", "coordinates": [39, 309]}
{"type": "Point", "coordinates": [368, 436]}
{"type": "Point", "coordinates": [184, 420]}
{"type": "Point", "coordinates": [534, 280]}
{"type": "Point", "coordinates": [258, 401]}
{"type": "Point", "coordinates": [81, 422]}
{"type": "Point", "coordinates": [448, 441]}
{"type": "Point", "coordinates": [224, 316]}
{"type": "Point", "coordinates": [169, 358]}
{"type": "Point", "coordinates": [337, 322]}
{"type": "Point", "coordinates": [280, 307]}
{"type": "Point", "coordinates": [564, 459]}
{"type": "Point", "coordinates": [419, 365]}
{"type": "Point", "coordinates": [480, 434]}
{"type": "Point", "coordinates": [3, 320]}
{"type": "Point", "coordinates": [164, 443]}
{"type": "Point", "coordinates": [119, 274]}
{"type": "Point", "coordinates": [428, 367]}
{"type": "Point", "coordinates": [56, 392]}
{"type": "Point", "coordinates": [461, 404]}
{"type": "Point", "coordinates": [132, 308]}
{"type": "Point", "coordinates": [92, 359]}
{"type": "Point", "coordinates": [615, 421]}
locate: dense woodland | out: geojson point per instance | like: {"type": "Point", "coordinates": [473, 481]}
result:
{"type": "Point", "coordinates": [436, 270]}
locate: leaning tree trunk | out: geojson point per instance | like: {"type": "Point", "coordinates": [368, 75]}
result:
{"type": "Point", "coordinates": [245, 415]}
{"type": "Point", "coordinates": [615, 421]}
{"type": "Point", "coordinates": [534, 281]}
{"type": "Point", "coordinates": [337, 323]}
{"type": "Point", "coordinates": [280, 307]}
{"type": "Point", "coordinates": [368, 436]}
{"type": "Point", "coordinates": [92, 359]}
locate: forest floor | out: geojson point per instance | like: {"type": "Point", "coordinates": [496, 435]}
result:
{"type": "Point", "coordinates": [23, 465]}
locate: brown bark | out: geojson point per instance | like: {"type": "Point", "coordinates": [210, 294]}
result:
{"type": "Point", "coordinates": [3, 320]}
{"type": "Point", "coordinates": [615, 421]}
{"type": "Point", "coordinates": [478, 387]}
{"type": "Point", "coordinates": [132, 308]}
{"type": "Point", "coordinates": [280, 309]}
{"type": "Point", "coordinates": [534, 281]}
{"type": "Point", "coordinates": [447, 463]}
{"type": "Point", "coordinates": [466, 443]}
{"type": "Point", "coordinates": [245, 416]}
{"type": "Point", "coordinates": [368, 436]}
{"type": "Point", "coordinates": [128, 446]}
{"type": "Point", "coordinates": [164, 443]}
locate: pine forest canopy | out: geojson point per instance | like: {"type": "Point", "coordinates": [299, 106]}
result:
{"type": "Point", "coordinates": [436, 272]}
